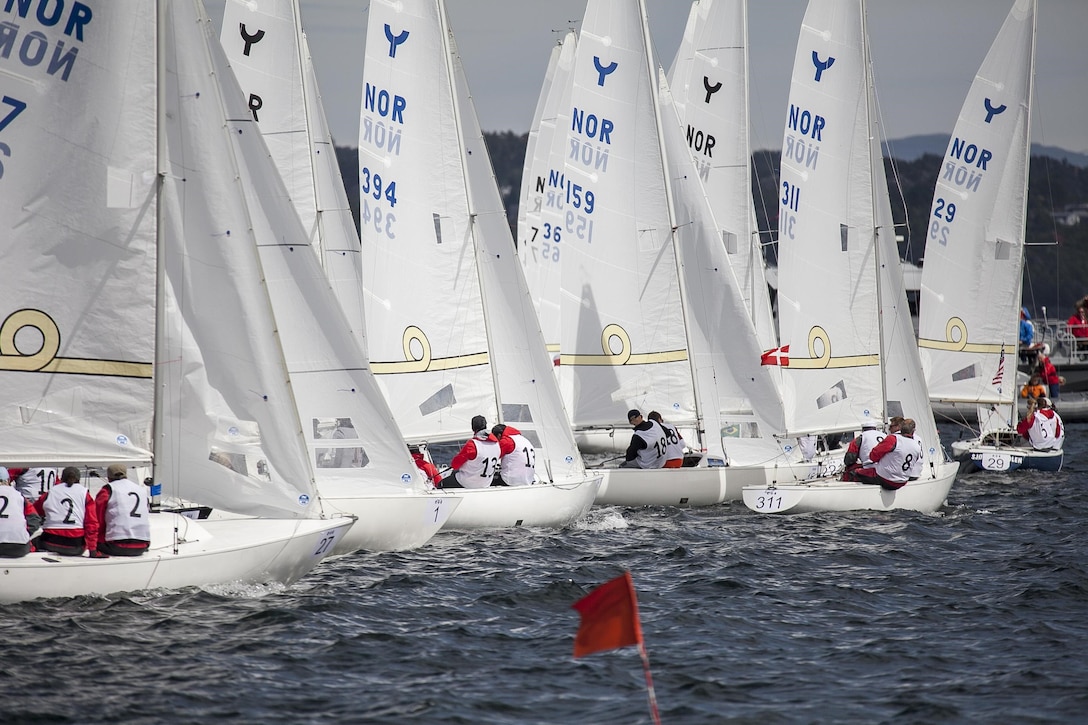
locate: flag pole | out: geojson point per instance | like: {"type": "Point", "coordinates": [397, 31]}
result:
{"type": "Point", "coordinates": [649, 683]}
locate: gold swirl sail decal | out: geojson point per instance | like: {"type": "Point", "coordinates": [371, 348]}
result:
{"type": "Point", "coordinates": [616, 333]}
{"type": "Point", "coordinates": [419, 360]}
{"type": "Point", "coordinates": [823, 358]}
{"type": "Point", "coordinates": [955, 340]}
{"type": "Point", "coordinates": [45, 360]}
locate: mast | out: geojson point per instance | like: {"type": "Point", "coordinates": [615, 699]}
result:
{"type": "Point", "coordinates": [160, 257]}
{"type": "Point", "coordinates": [443, 21]}
{"type": "Point", "coordinates": [874, 138]}
{"type": "Point", "coordinates": [654, 99]}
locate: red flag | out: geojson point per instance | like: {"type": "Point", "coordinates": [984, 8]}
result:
{"type": "Point", "coordinates": [777, 356]}
{"type": "Point", "coordinates": [609, 617]}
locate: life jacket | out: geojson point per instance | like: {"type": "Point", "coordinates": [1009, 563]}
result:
{"type": "Point", "coordinates": [65, 507]}
{"type": "Point", "coordinates": [479, 471]}
{"type": "Point", "coordinates": [518, 467]}
{"type": "Point", "coordinates": [653, 454]}
{"type": "Point", "coordinates": [674, 446]}
{"type": "Point", "coordinates": [127, 512]}
{"type": "Point", "coordinates": [903, 462]}
{"type": "Point", "coordinates": [1046, 431]}
{"type": "Point", "coordinates": [12, 517]}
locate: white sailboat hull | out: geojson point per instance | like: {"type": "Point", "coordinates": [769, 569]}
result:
{"type": "Point", "coordinates": [973, 456]}
{"type": "Point", "coordinates": [702, 485]}
{"type": "Point", "coordinates": [245, 550]}
{"type": "Point", "coordinates": [833, 495]}
{"type": "Point", "coordinates": [393, 522]}
{"type": "Point", "coordinates": [550, 505]}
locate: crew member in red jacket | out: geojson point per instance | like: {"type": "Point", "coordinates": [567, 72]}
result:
{"type": "Point", "coordinates": [475, 464]}
{"type": "Point", "coordinates": [896, 460]}
{"type": "Point", "coordinates": [123, 510]}
{"type": "Point", "coordinates": [429, 469]}
{"type": "Point", "coordinates": [71, 521]}
{"type": "Point", "coordinates": [1042, 426]}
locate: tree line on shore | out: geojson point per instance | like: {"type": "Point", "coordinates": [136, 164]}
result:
{"type": "Point", "coordinates": [1056, 268]}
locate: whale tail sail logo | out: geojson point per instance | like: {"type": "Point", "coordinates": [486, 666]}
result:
{"type": "Point", "coordinates": [603, 70]}
{"type": "Point", "coordinates": [394, 40]}
{"type": "Point", "coordinates": [992, 110]}
{"type": "Point", "coordinates": [710, 89]}
{"type": "Point", "coordinates": [821, 65]}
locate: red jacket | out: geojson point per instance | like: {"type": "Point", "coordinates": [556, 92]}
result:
{"type": "Point", "coordinates": [506, 443]}
{"type": "Point", "coordinates": [428, 468]}
{"type": "Point", "coordinates": [1077, 326]}
{"type": "Point", "coordinates": [101, 501]}
{"type": "Point", "coordinates": [1025, 425]}
{"type": "Point", "coordinates": [1047, 371]}
{"type": "Point", "coordinates": [468, 451]}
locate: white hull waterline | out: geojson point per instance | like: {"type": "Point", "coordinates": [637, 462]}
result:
{"type": "Point", "coordinates": [251, 551]}
{"type": "Point", "coordinates": [552, 505]}
{"type": "Point", "coordinates": [833, 495]}
{"type": "Point", "coordinates": [394, 522]}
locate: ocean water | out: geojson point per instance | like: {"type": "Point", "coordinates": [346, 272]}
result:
{"type": "Point", "coordinates": [978, 613]}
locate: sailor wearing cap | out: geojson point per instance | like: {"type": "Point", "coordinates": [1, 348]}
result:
{"type": "Point", "coordinates": [123, 511]}
{"type": "Point", "coordinates": [648, 443]}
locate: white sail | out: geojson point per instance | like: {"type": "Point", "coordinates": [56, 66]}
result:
{"type": "Point", "coordinates": [123, 217]}
{"type": "Point", "coordinates": [739, 401]}
{"type": "Point", "coordinates": [270, 56]}
{"type": "Point", "coordinates": [540, 242]}
{"type": "Point", "coordinates": [827, 270]}
{"type": "Point", "coordinates": [451, 328]}
{"type": "Point", "coordinates": [77, 325]}
{"type": "Point", "coordinates": [624, 343]}
{"type": "Point", "coordinates": [354, 442]}
{"type": "Point", "coordinates": [709, 82]}
{"type": "Point", "coordinates": [968, 326]}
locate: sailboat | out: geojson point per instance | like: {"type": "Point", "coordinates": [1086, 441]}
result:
{"type": "Point", "coordinates": [540, 242]}
{"type": "Point", "coordinates": [363, 466]}
{"type": "Point", "coordinates": [844, 321]}
{"type": "Point", "coordinates": [968, 327]}
{"type": "Point", "coordinates": [451, 329]}
{"type": "Point", "coordinates": [652, 316]}
{"type": "Point", "coordinates": [151, 336]}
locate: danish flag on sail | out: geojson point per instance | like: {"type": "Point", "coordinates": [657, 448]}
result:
{"type": "Point", "coordinates": [778, 356]}
{"type": "Point", "coordinates": [1000, 369]}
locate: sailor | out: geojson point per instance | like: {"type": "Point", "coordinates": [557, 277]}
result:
{"type": "Point", "coordinates": [429, 469]}
{"type": "Point", "coordinates": [1042, 426]}
{"type": "Point", "coordinates": [124, 512]}
{"type": "Point", "coordinates": [71, 522]}
{"type": "Point", "coordinates": [896, 460]}
{"type": "Point", "coordinates": [18, 521]}
{"type": "Point", "coordinates": [857, 453]}
{"type": "Point", "coordinates": [475, 464]}
{"type": "Point", "coordinates": [674, 442]}
{"type": "Point", "coordinates": [647, 449]}
{"type": "Point", "coordinates": [517, 466]}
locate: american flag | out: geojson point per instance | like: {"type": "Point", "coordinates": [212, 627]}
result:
{"type": "Point", "coordinates": [1000, 369]}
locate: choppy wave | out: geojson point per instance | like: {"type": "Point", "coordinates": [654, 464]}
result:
{"type": "Point", "coordinates": [973, 614]}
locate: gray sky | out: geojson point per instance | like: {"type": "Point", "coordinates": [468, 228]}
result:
{"type": "Point", "coordinates": [925, 54]}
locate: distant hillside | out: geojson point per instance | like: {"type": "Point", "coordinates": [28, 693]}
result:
{"type": "Point", "coordinates": [914, 147]}
{"type": "Point", "coordinates": [1057, 256]}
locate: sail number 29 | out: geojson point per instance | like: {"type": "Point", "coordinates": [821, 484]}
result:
{"type": "Point", "coordinates": [944, 212]}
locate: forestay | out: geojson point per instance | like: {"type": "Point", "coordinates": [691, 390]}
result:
{"type": "Point", "coordinates": [971, 282]}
